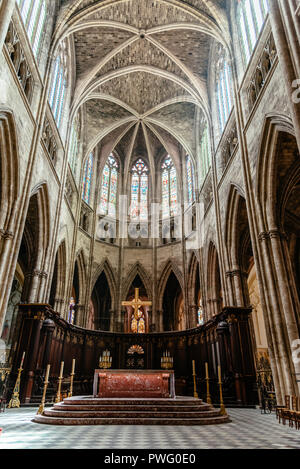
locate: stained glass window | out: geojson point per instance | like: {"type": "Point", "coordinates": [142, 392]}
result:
{"type": "Point", "coordinates": [73, 148]}
{"type": "Point", "coordinates": [139, 191]}
{"type": "Point", "coordinates": [71, 314]}
{"type": "Point", "coordinates": [169, 188]}
{"type": "Point", "coordinates": [33, 14]}
{"type": "Point", "coordinates": [200, 315]}
{"type": "Point", "coordinates": [205, 153]}
{"type": "Point", "coordinates": [58, 88]}
{"type": "Point", "coordinates": [224, 99]}
{"type": "Point", "coordinates": [251, 16]}
{"type": "Point", "coordinates": [190, 179]}
{"type": "Point", "coordinates": [87, 178]}
{"type": "Point", "coordinates": [109, 187]}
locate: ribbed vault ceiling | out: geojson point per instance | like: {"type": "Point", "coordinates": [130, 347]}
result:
{"type": "Point", "coordinates": [141, 69]}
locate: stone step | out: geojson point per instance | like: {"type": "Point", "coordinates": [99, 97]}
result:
{"type": "Point", "coordinates": [134, 421]}
{"type": "Point", "coordinates": [128, 401]}
{"type": "Point", "coordinates": [130, 414]}
{"type": "Point", "coordinates": [89, 411]}
{"type": "Point", "coordinates": [66, 407]}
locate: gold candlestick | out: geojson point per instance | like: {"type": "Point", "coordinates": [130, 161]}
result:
{"type": "Point", "coordinates": [194, 378]}
{"type": "Point", "coordinates": [222, 406]}
{"type": "Point", "coordinates": [15, 401]}
{"type": "Point", "coordinates": [72, 377]}
{"type": "Point", "coordinates": [58, 395]}
{"type": "Point", "coordinates": [208, 397]}
{"type": "Point", "coordinates": [42, 406]}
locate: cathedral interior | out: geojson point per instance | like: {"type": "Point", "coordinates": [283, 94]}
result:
{"type": "Point", "coordinates": [149, 151]}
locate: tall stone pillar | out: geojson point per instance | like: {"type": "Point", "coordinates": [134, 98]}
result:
{"type": "Point", "coordinates": [80, 315]}
{"type": "Point", "coordinates": [6, 11]}
{"type": "Point", "coordinates": [160, 320]}
{"type": "Point", "coordinates": [193, 316]}
{"type": "Point", "coordinates": [280, 23]}
{"type": "Point", "coordinates": [282, 311]}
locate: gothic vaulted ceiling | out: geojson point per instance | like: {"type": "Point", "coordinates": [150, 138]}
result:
{"type": "Point", "coordinates": [141, 69]}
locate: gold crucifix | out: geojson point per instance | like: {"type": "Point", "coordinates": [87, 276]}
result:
{"type": "Point", "coordinates": [136, 303]}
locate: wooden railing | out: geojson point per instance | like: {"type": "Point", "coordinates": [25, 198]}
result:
{"type": "Point", "coordinates": [225, 340]}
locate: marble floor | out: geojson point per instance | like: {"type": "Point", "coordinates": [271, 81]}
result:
{"type": "Point", "coordinates": [248, 430]}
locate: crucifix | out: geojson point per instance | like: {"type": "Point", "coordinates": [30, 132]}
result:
{"type": "Point", "coordinates": [136, 303]}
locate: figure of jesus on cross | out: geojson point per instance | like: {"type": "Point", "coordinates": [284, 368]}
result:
{"type": "Point", "coordinates": [138, 321]}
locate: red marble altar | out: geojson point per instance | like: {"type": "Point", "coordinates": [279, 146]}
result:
{"type": "Point", "coordinates": [134, 383]}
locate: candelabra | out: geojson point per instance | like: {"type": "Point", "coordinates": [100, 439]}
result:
{"type": "Point", "coordinates": [105, 360]}
{"type": "Point", "coordinates": [15, 401]}
{"type": "Point", "coordinates": [42, 406]}
{"type": "Point", "coordinates": [166, 361]}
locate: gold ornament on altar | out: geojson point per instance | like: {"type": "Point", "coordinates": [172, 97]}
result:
{"type": "Point", "coordinates": [166, 361]}
{"type": "Point", "coordinates": [105, 361]}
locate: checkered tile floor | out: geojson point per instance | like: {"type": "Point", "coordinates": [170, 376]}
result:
{"type": "Point", "coordinates": [248, 430]}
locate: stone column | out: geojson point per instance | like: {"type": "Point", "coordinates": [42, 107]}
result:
{"type": "Point", "coordinates": [58, 305]}
{"type": "Point", "coordinates": [6, 11]}
{"type": "Point", "coordinates": [286, 59]}
{"type": "Point", "coordinates": [282, 322]}
{"type": "Point", "coordinates": [113, 320]}
{"type": "Point", "coordinates": [193, 322]}
{"type": "Point", "coordinates": [238, 287]}
{"type": "Point", "coordinates": [228, 276]}
{"type": "Point", "coordinates": [35, 285]}
{"type": "Point", "coordinates": [160, 320]}
{"type": "Point", "coordinates": [292, 24]}
{"type": "Point", "coordinates": [79, 317]}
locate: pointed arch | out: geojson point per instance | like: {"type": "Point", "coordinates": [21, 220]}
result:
{"type": "Point", "coordinates": [192, 275]}
{"type": "Point", "coordinates": [41, 193]}
{"type": "Point", "coordinates": [106, 267]}
{"type": "Point", "coordinates": [137, 269]}
{"type": "Point", "coordinates": [235, 197]}
{"type": "Point", "coordinates": [58, 284]}
{"type": "Point", "coordinates": [265, 181]}
{"type": "Point", "coordinates": [214, 292]}
{"type": "Point", "coordinates": [81, 266]}
{"type": "Point", "coordinates": [9, 169]}
{"type": "Point", "coordinates": [169, 267]}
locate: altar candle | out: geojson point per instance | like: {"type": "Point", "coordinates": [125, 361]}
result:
{"type": "Point", "coordinates": [61, 369]}
{"type": "Point", "coordinates": [47, 373]}
{"type": "Point", "coordinates": [22, 361]}
{"type": "Point", "coordinates": [194, 370]}
{"type": "Point", "coordinates": [73, 366]}
{"type": "Point", "coordinates": [206, 370]}
{"type": "Point", "coordinates": [219, 372]}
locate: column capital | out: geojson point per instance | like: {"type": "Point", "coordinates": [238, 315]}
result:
{"type": "Point", "coordinates": [5, 234]}
{"type": "Point", "coordinates": [272, 234]}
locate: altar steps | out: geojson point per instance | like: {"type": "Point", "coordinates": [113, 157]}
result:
{"type": "Point", "coordinates": [89, 411]}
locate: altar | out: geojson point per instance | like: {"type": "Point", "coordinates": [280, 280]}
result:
{"type": "Point", "coordinates": [134, 384]}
